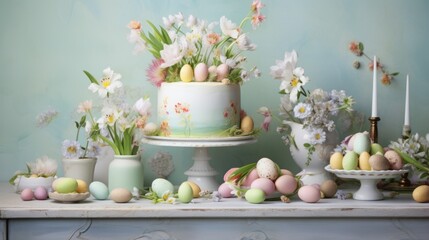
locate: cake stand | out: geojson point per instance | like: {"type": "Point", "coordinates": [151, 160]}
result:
{"type": "Point", "coordinates": [368, 181]}
{"type": "Point", "coordinates": [201, 172]}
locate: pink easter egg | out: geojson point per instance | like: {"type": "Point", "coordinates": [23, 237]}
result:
{"type": "Point", "coordinates": [228, 173]}
{"type": "Point", "coordinates": [309, 194]}
{"type": "Point", "coordinates": [40, 193]}
{"type": "Point", "coordinates": [27, 194]}
{"type": "Point", "coordinates": [265, 185]}
{"type": "Point", "coordinates": [225, 191]}
{"type": "Point", "coordinates": [252, 176]}
{"type": "Point", "coordinates": [286, 184]}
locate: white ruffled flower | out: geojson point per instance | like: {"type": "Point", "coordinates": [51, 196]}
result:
{"type": "Point", "coordinates": [172, 54]}
{"type": "Point", "coordinates": [110, 116]}
{"type": "Point", "coordinates": [108, 83]}
{"type": "Point", "coordinates": [244, 43]}
{"type": "Point", "coordinates": [43, 166]}
{"type": "Point", "coordinates": [143, 106]}
{"type": "Point", "coordinates": [229, 28]}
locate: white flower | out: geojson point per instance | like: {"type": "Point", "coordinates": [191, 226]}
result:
{"type": "Point", "coordinates": [228, 61]}
{"type": "Point", "coordinates": [84, 106]}
{"type": "Point", "coordinates": [88, 126]}
{"type": "Point", "coordinates": [172, 54]}
{"type": "Point", "coordinates": [302, 110]}
{"type": "Point", "coordinates": [110, 116]}
{"type": "Point", "coordinates": [316, 136]}
{"type": "Point", "coordinates": [108, 83]}
{"type": "Point", "coordinates": [285, 105]}
{"type": "Point", "coordinates": [143, 106]}
{"type": "Point", "coordinates": [71, 149]}
{"type": "Point", "coordinates": [243, 43]}
{"type": "Point", "coordinates": [228, 28]}
{"type": "Point", "coordinates": [43, 166]}
{"type": "Point", "coordinates": [192, 21]}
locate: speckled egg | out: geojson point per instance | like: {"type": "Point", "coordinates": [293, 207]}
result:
{"type": "Point", "coordinates": [201, 72]}
{"type": "Point", "coordinates": [186, 73]}
{"type": "Point", "coordinates": [267, 169]}
{"type": "Point", "coordinates": [265, 185]}
{"type": "Point", "coordinates": [309, 194]}
{"type": "Point", "coordinates": [286, 184]}
{"type": "Point", "coordinates": [40, 193]}
{"type": "Point", "coordinates": [121, 195]}
{"type": "Point", "coordinates": [185, 193]}
{"type": "Point", "coordinates": [254, 195]}
{"type": "Point", "coordinates": [99, 190]}
{"type": "Point", "coordinates": [161, 186]}
{"type": "Point", "coordinates": [394, 159]}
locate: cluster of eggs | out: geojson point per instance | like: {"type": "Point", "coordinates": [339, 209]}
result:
{"type": "Point", "coordinates": [202, 72]}
{"type": "Point", "coordinates": [39, 193]}
{"type": "Point", "coordinates": [187, 190]}
{"type": "Point", "coordinates": [361, 154]}
{"type": "Point", "coordinates": [266, 178]}
{"type": "Point", "coordinates": [66, 185]}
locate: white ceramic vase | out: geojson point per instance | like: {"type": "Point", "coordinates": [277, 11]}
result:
{"type": "Point", "coordinates": [313, 172]}
{"type": "Point", "coordinates": [79, 168]}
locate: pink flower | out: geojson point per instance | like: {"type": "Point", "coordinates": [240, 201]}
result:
{"type": "Point", "coordinates": [257, 19]}
{"type": "Point", "coordinates": [213, 38]}
{"type": "Point", "coordinates": [84, 107]}
{"type": "Point", "coordinates": [266, 123]}
{"type": "Point", "coordinates": [155, 73]}
{"type": "Point", "coordinates": [257, 5]}
{"type": "Point", "coordinates": [355, 47]}
{"type": "Point", "coordinates": [386, 79]}
{"type": "Point", "coordinates": [134, 25]}
{"type": "Point", "coordinates": [371, 65]}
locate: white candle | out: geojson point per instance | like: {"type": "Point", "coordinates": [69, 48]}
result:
{"type": "Point", "coordinates": [407, 104]}
{"type": "Point", "coordinates": [374, 90]}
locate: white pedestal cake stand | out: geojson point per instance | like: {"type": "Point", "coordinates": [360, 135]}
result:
{"type": "Point", "coordinates": [368, 181]}
{"type": "Point", "coordinates": [201, 172]}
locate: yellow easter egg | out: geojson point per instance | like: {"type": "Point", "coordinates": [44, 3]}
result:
{"type": "Point", "coordinates": [364, 161]}
{"type": "Point", "coordinates": [186, 73]}
{"type": "Point", "coordinates": [336, 161]}
{"type": "Point", "coordinates": [195, 189]}
{"type": "Point", "coordinates": [421, 194]}
{"type": "Point", "coordinates": [82, 187]}
{"type": "Point", "coordinates": [247, 124]}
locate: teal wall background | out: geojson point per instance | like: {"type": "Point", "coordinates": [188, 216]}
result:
{"type": "Point", "coordinates": [46, 44]}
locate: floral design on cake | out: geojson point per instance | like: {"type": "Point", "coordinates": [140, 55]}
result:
{"type": "Point", "coordinates": [231, 114]}
{"type": "Point", "coordinates": [182, 109]}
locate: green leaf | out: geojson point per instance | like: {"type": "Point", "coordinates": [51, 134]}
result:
{"type": "Point", "coordinates": [157, 33]}
{"type": "Point", "coordinates": [307, 145]}
{"type": "Point", "coordinates": [90, 77]}
{"type": "Point", "coordinates": [412, 161]}
{"type": "Point", "coordinates": [82, 120]}
{"type": "Point", "coordinates": [361, 47]}
{"type": "Point", "coordinates": [394, 74]}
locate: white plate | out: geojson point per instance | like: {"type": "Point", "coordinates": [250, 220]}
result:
{"type": "Point", "coordinates": [202, 139]}
{"type": "Point", "coordinates": [365, 174]}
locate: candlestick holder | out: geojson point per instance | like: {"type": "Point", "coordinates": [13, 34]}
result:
{"type": "Point", "coordinates": [373, 132]}
{"type": "Point", "coordinates": [406, 132]}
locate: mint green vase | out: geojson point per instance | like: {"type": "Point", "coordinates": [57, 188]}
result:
{"type": "Point", "coordinates": [125, 171]}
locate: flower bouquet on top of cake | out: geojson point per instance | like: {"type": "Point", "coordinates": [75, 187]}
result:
{"type": "Point", "coordinates": [198, 72]}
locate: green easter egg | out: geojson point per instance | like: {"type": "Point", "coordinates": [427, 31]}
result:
{"type": "Point", "coordinates": [376, 148]}
{"type": "Point", "coordinates": [66, 185]}
{"type": "Point", "coordinates": [350, 160]}
{"type": "Point", "coordinates": [255, 195]}
{"type": "Point", "coordinates": [185, 193]}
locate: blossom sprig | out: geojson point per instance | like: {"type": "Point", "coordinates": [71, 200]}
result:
{"type": "Point", "coordinates": [414, 151]}
{"type": "Point", "coordinates": [316, 110]}
{"type": "Point", "coordinates": [118, 125]}
{"type": "Point", "coordinates": [357, 48]}
{"type": "Point", "coordinates": [46, 117]}
{"type": "Point", "coordinates": [192, 41]}
{"type": "Point", "coordinates": [42, 167]}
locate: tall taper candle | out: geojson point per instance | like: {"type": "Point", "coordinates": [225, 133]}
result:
{"type": "Point", "coordinates": [407, 103]}
{"type": "Point", "coordinates": [374, 90]}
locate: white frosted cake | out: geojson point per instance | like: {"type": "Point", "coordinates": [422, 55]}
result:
{"type": "Point", "coordinates": [198, 109]}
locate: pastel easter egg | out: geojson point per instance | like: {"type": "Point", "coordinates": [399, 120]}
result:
{"type": "Point", "coordinates": [224, 190]}
{"type": "Point", "coordinates": [226, 176]}
{"type": "Point", "coordinates": [66, 185]}
{"type": "Point", "coordinates": [82, 186]}
{"type": "Point", "coordinates": [379, 162]}
{"type": "Point", "coordinates": [267, 169]}
{"type": "Point", "coordinates": [286, 172]}
{"type": "Point", "coordinates": [186, 73]}
{"type": "Point", "coordinates": [185, 193]}
{"type": "Point", "coordinates": [252, 176]}
{"type": "Point", "coordinates": [222, 72]}
{"type": "Point", "coordinates": [27, 194]}
{"type": "Point", "coordinates": [162, 186]}
{"type": "Point", "coordinates": [375, 148]}
{"type": "Point", "coordinates": [329, 188]}
{"type": "Point", "coordinates": [195, 189]}
{"type": "Point", "coordinates": [350, 160]}
{"type": "Point", "coordinates": [286, 184]}
{"type": "Point", "coordinates": [309, 194]}
{"type": "Point", "coordinates": [364, 161]}
{"type": "Point", "coordinates": [336, 160]}
{"type": "Point", "coordinates": [361, 143]}
{"type": "Point", "coordinates": [99, 190]}
{"type": "Point", "coordinates": [201, 72]}
{"type": "Point", "coordinates": [421, 194]}
{"type": "Point", "coordinates": [121, 195]}
{"type": "Point", "coordinates": [40, 193]}
{"type": "Point", "coordinates": [265, 185]}
{"type": "Point", "coordinates": [254, 195]}
{"type": "Point", "coordinates": [394, 159]}
{"type": "Point", "coordinates": [247, 124]}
